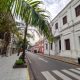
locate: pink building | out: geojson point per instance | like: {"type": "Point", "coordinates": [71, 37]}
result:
{"type": "Point", "coordinates": [38, 47]}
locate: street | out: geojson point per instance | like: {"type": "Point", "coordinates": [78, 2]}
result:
{"type": "Point", "coordinates": [49, 69]}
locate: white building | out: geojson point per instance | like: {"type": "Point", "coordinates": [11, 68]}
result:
{"type": "Point", "coordinates": [66, 30]}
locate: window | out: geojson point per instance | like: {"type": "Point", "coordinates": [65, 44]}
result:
{"type": "Point", "coordinates": [64, 20]}
{"type": "Point", "coordinates": [1, 35]}
{"type": "Point", "coordinates": [51, 46]}
{"type": "Point", "coordinates": [56, 26]}
{"type": "Point", "coordinates": [67, 44]}
{"type": "Point", "coordinates": [77, 10]}
{"type": "Point", "coordinates": [79, 40]}
{"type": "Point", "coordinates": [59, 44]}
{"type": "Point", "coordinates": [46, 46]}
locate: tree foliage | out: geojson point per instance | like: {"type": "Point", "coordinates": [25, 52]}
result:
{"type": "Point", "coordinates": [29, 11]}
{"type": "Point", "coordinates": [34, 15]}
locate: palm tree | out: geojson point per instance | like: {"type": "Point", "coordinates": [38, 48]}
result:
{"type": "Point", "coordinates": [31, 13]}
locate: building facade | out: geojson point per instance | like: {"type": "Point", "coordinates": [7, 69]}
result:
{"type": "Point", "coordinates": [10, 46]}
{"type": "Point", "coordinates": [66, 31]}
{"type": "Point", "coordinates": [38, 47]}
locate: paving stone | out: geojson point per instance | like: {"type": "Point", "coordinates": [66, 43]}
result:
{"type": "Point", "coordinates": [6, 69]}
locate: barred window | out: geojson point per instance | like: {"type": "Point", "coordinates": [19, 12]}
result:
{"type": "Point", "coordinates": [59, 44]}
{"type": "Point", "coordinates": [77, 10]}
{"type": "Point", "coordinates": [64, 20]}
{"type": "Point", "coordinates": [67, 44]}
{"type": "Point", "coordinates": [56, 26]}
{"type": "Point", "coordinates": [51, 46]}
{"type": "Point", "coordinates": [46, 46]}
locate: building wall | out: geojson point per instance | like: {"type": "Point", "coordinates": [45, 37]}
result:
{"type": "Point", "coordinates": [48, 50]}
{"type": "Point", "coordinates": [73, 34]}
{"type": "Point", "coordinates": [9, 47]}
{"type": "Point", "coordinates": [39, 47]}
{"type": "Point", "coordinates": [71, 30]}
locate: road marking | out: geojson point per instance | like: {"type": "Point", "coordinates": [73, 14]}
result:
{"type": "Point", "coordinates": [78, 68]}
{"type": "Point", "coordinates": [48, 76]}
{"type": "Point", "coordinates": [74, 70]}
{"type": "Point", "coordinates": [64, 77]}
{"type": "Point", "coordinates": [43, 59]}
{"type": "Point", "coordinates": [71, 74]}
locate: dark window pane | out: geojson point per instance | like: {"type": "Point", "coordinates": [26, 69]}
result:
{"type": "Point", "coordinates": [1, 35]}
{"type": "Point", "coordinates": [67, 44]}
{"type": "Point", "coordinates": [77, 10]}
{"type": "Point", "coordinates": [64, 20]}
{"type": "Point", "coordinates": [56, 26]}
{"type": "Point", "coordinates": [46, 46]}
{"type": "Point", "coordinates": [51, 46]}
{"type": "Point", "coordinates": [59, 44]}
{"type": "Point", "coordinates": [79, 40]}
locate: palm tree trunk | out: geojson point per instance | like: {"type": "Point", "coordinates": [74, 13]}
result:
{"type": "Point", "coordinates": [24, 42]}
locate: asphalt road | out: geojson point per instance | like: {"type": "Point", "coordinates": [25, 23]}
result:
{"type": "Point", "coordinates": [49, 69]}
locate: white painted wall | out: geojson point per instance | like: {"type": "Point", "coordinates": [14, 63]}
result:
{"type": "Point", "coordinates": [47, 51]}
{"type": "Point", "coordinates": [70, 30]}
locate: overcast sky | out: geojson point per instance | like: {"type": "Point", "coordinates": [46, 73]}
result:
{"type": "Point", "coordinates": [54, 7]}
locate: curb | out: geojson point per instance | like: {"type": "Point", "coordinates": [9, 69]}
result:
{"type": "Point", "coordinates": [64, 61]}
{"type": "Point", "coordinates": [27, 75]}
{"type": "Point", "coordinates": [31, 74]}
{"type": "Point", "coordinates": [60, 60]}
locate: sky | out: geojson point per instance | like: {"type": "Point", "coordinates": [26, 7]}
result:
{"type": "Point", "coordinates": [34, 32]}
{"type": "Point", "coordinates": [54, 7]}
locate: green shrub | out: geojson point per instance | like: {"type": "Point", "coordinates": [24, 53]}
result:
{"type": "Point", "coordinates": [19, 62]}
{"type": "Point", "coordinates": [21, 57]}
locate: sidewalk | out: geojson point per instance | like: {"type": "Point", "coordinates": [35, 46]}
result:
{"type": "Point", "coordinates": [62, 58]}
{"type": "Point", "coordinates": [8, 73]}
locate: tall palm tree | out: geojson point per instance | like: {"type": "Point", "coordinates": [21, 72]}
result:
{"type": "Point", "coordinates": [33, 15]}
